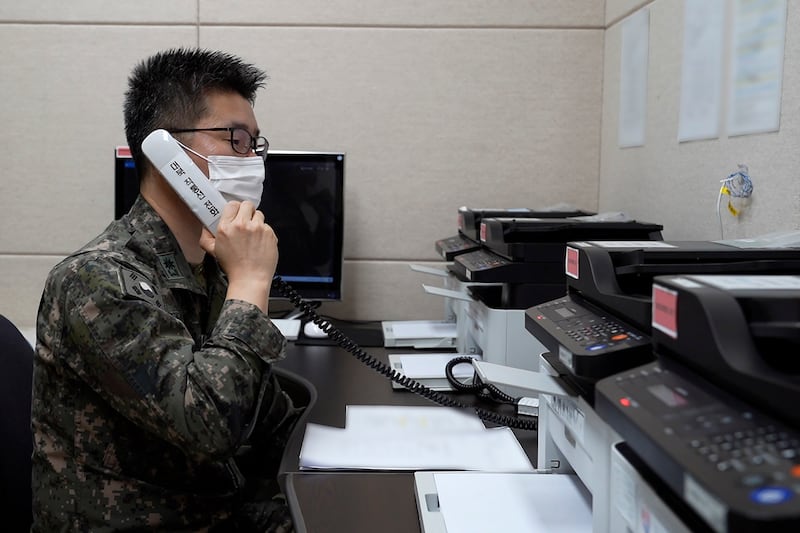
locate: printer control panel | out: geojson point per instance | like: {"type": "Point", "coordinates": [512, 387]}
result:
{"type": "Point", "coordinates": [590, 342]}
{"type": "Point", "coordinates": [482, 260]}
{"type": "Point", "coordinates": [485, 266]}
{"type": "Point", "coordinates": [452, 246]}
{"type": "Point", "coordinates": [744, 464]}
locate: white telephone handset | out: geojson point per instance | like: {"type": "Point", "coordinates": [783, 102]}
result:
{"type": "Point", "coordinates": [184, 177]}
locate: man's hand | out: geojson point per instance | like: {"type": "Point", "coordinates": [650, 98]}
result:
{"type": "Point", "coordinates": [247, 250]}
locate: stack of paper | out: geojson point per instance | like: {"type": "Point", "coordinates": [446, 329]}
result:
{"type": "Point", "coordinates": [412, 438]}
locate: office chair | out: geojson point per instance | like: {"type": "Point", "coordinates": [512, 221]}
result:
{"type": "Point", "coordinates": [16, 440]}
{"type": "Point", "coordinates": [303, 394]}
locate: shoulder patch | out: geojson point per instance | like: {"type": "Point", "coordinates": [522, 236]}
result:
{"type": "Point", "coordinates": [137, 286]}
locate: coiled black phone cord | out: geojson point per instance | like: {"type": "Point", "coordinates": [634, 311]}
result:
{"type": "Point", "coordinates": [414, 386]}
{"type": "Point", "coordinates": [487, 391]}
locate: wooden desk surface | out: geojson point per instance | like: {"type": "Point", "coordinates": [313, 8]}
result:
{"type": "Point", "coordinates": [352, 502]}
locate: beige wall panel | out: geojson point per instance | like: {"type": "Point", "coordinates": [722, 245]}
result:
{"type": "Point", "coordinates": [386, 290]}
{"type": "Point", "coordinates": [174, 11]}
{"type": "Point", "coordinates": [516, 13]}
{"type": "Point", "coordinates": [618, 9]}
{"type": "Point", "coordinates": [21, 284]}
{"type": "Point", "coordinates": [677, 184]}
{"type": "Point", "coordinates": [432, 120]}
{"type": "Point", "coordinates": [61, 96]}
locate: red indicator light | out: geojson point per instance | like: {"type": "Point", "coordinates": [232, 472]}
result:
{"type": "Point", "coordinates": [624, 402]}
{"type": "Point", "coordinates": [539, 317]}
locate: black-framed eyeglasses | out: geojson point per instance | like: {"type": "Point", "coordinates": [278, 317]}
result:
{"type": "Point", "coordinates": [241, 140]}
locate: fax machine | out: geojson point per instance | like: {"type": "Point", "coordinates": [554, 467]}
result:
{"type": "Point", "coordinates": [602, 325]}
{"type": "Point", "coordinates": [498, 288]}
{"type": "Point", "coordinates": [469, 224]}
{"type": "Point", "coordinates": [715, 418]}
{"type": "Point", "coordinates": [467, 240]}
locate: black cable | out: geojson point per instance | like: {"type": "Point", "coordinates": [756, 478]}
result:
{"type": "Point", "coordinates": [414, 386]}
{"type": "Point", "coordinates": [487, 391]}
{"type": "Point", "coordinates": [473, 387]}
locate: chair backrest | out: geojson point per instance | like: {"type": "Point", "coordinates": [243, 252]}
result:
{"type": "Point", "coordinates": [303, 394]}
{"type": "Point", "coordinates": [16, 440]}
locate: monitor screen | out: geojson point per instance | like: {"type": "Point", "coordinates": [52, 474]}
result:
{"type": "Point", "coordinates": [303, 201]}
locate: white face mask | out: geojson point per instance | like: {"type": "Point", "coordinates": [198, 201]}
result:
{"type": "Point", "coordinates": [236, 178]}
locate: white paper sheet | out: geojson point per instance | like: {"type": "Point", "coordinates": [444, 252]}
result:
{"type": "Point", "coordinates": [494, 449]}
{"type": "Point", "coordinates": [382, 419]}
{"type": "Point", "coordinates": [756, 74]}
{"type": "Point", "coordinates": [633, 79]}
{"type": "Point", "coordinates": [521, 503]}
{"type": "Point", "coordinates": [701, 76]}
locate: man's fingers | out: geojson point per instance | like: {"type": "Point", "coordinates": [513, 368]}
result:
{"type": "Point", "coordinates": [207, 242]}
{"type": "Point", "coordinates": [246, 211]}
{"type": "Point", "coordinates": [230, 211]}
{"type": "Point", "coordinates": [241, 211]}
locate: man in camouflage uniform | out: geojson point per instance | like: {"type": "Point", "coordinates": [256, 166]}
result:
{"type": "Point", "coordinates": [153, 380]}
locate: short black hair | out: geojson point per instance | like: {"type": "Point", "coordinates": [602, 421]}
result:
{"type": "Point", "coordinates": [168, 90]}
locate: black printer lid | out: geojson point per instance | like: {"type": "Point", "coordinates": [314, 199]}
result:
{"type": "Point", "coordinates": [674, 257]}
{"type": "Point", "coordinates": [618, 276]}
{"type": "Point", "coordinates": [469, 219]}
{"type": "Point", "coordinates": [538, 230]}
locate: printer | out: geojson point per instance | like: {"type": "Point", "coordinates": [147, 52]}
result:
{"type": "Point", "coordinates": [489, 330]}
{"type": "Point", "coordinates": [520, 264]}
{"type": "Point", "coordinates": [714, 418]}
{"type": "Point", "coordinates": [445, 333]}
{"type": "Point", "coordinates": [470, 218]}
{"type": "Point", "coordinates": [427, 334]}
{"type": "Point", "coordinates": [468, 240]}
{"type": "Point", "coordinates": [601, 326]}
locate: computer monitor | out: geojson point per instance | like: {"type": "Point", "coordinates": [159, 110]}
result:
{"type": "Point", "coordinates": [303, 201]}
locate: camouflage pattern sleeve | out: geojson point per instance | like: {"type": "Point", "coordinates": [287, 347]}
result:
{"type": "Point", "coordinates": [142, 360]}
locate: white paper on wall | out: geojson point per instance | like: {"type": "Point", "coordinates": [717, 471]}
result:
{"type": "Point", "coordinates": [756, 74]}
{"type": "Point", "coordinates": [633, 79]}
{"type": "Point", "coordinates": [701, 75]}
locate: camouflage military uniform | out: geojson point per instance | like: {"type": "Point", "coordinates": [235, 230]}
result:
{"type": "Point", "coordinates": [148, 386]}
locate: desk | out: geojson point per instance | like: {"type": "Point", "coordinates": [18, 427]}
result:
{"type": "Point", "coordinates": [353, 502]}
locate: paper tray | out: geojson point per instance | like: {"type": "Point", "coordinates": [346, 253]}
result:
{"type": "Point", "coordinates": [419, 334]}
